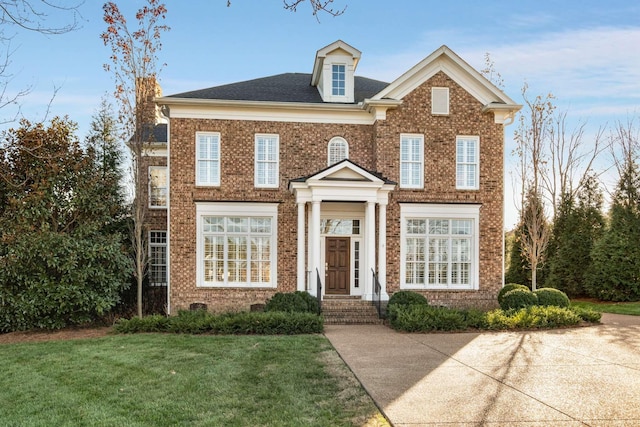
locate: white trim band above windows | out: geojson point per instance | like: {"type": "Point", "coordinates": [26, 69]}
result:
{"type": "Point", "coordinates": [411, 161]}
{"type": "Point", "coordinates": [467, 162]}
{"type": "Point", "coordinates": [439, 246]}
{"type": "Point", "coordinates": [267, 159]}
{"type": "Point", "coordinates": [236, 244]}
{"type": "Point", "coordinates": [208, 159]}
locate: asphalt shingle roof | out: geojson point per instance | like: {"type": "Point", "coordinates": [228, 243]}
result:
{"type": "Point", "coordinates": [288, 87]}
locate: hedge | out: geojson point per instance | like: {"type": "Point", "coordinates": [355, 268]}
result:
{"type": "Point", "coordinates": [202, 322]}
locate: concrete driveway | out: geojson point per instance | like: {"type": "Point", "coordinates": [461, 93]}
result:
{"type": "Point", "coordinates": [566, 377]}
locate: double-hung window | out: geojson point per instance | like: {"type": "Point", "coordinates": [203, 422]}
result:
{"type": "Point", "coordinates": [236, 244]}
{"type": "Point", "coordinates": [208, 158]}
{"type": "Point", "coordinates": [467, 162]}
{"type": "Point", "coordinates": [439, 246]}
{"type": "Point", "coordinates": [338, 79]}
{"type": "Point", "coordinates": [266, 161]}
{"type": "Point", "coordinates": [411, 161]}
{"type": "Point", "coordinates": [157, 258]}
{"type": "Point", "coordinates": [158, 186]}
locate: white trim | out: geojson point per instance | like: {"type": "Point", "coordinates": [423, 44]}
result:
{"type": "Point", "coordinates": [236, 209]}
{"type": "Point", "coordinates": [407, 136]}
{"type": "Point", "coordinates": [267, 111]}
{"type": "Point", "coordinates": [476, 177]}
{"type": "Point", "coordinates": [216, 180]}
{"type": "Point", "coordinates": [441, 211]}
{"type": "Point", "coordinates": [256, 178]}
{"type": "Point", "coordinates": [166, 254]}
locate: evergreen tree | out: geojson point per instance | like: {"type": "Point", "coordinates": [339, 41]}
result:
{"type": "Point", "coordinates": [615, 270]}
{"type": "Point", "coordinates": [575, 231]}
{"type": "Point", "coordinates": [517, 270]}
{"type": "Point", "coordinates": [61, 262]}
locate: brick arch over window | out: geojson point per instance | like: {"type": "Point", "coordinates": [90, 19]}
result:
{"type": "Point", "coordinates": [337, 150]}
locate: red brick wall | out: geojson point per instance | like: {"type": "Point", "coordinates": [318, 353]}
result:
{"type": "Point", "coordinates": [303, 151]}
{"type": "Point", "coordinates": [465, 118]}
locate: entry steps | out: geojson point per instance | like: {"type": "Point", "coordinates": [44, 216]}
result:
{"type": "Point", "coordinates": [349, 310]}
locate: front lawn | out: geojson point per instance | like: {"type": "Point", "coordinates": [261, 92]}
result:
{"type": "Point", "coordinates": [169, 380]}
{"type": "Point", "coordinates": [632, 308]}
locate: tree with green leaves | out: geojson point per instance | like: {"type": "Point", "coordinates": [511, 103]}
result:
{"type": "Point", "coordinates": [62, 262]}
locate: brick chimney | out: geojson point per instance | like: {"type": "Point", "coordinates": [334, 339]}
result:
{"type": "Point", "coordinates": [147, 88]}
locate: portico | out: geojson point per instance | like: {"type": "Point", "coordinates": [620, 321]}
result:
{"type": "Point", "coordinates": [338, 230]}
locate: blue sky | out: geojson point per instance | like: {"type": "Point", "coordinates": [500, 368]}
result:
{"type": "Point", "coordinates": [587, 53]}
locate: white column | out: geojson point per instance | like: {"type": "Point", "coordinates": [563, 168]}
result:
{"type": "Point", "coordinates": [301, 251]}
{"type": "Point", "coordinates": [382, 249]}
{"type": "Point", "coordinates": [314, 246]}
{"type": "Point", "coordinates": [370, 219]}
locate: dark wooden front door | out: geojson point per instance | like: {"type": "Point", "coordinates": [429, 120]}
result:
{"type": "Point", "coordinates": [337, 267]}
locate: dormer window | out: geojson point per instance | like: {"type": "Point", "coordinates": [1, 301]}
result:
{"type": "Point", "coordinates": [338, 80]}
{"type": "Point", "coordinates": [333, 72]}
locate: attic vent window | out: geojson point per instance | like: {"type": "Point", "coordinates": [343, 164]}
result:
{"type": "Point", "coordinates": [440, 100]}
{"type": "Point", "coordinates": [338, 80]}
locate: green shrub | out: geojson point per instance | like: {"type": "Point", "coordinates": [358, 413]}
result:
{"type": "Point", "coordinates": [407, 298]}
{"type": "Point", "coordinates": [587, 314]}
{"type": "Point", "coordinates": [202, 322]}
{"type": "Point", "coordinates": [423, 318]}
{"type": "Point", "coordinates": [532, 317]}
{"type": "Point", "coordinates": [551, 296]}
{"type": "Point", "coordinates": [509, 287]}
{"type": "Point", "coordinates": [475, 318]}
{"type": "Point", "coordinates": [293, 302]}
{"type": "Point", "coordinates": [518, 298]}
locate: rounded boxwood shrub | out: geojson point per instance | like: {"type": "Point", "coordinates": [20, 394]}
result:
{"type": "Point", "coordinates": [551, 296]}
{"type": "Point", "coordinates": [407, 298]}
{"type": "Point", "coordinates": [518, 298]}
{"type": "Point", "coordinates": [293, 302]}
{"type": "Point", "coordinates": [509, 287]}
{"type": "Point", "coordinates": [404, 299]}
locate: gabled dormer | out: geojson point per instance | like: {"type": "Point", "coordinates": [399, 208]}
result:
{"type": "Point", "coordinates": [333, 72]}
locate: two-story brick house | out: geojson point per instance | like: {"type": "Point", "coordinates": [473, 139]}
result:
{"type": "Point", "coordinates": [276, 182]}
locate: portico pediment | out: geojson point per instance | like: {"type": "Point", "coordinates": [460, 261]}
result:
{"type": "Point", "coordinates": [344, 180]}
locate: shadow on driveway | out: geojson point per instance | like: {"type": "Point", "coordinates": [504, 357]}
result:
{"type": "Point", "coordinates": [565, 377]}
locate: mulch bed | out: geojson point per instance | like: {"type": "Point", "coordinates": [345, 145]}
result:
{"type": "Point", "coordinates": [62, 334]}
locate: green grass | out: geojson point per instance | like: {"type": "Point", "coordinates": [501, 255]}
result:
{"type": "Point", "coordinates": [632, 308]}
{"type": "Point", "coordinates": [170, 380]}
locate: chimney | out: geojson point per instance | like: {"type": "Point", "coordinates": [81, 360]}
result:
{"type": "Point", "coordinates": [147, 88]}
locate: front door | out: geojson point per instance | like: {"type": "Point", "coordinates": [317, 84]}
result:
{"type": "Point", "coordinates": [337, 267]}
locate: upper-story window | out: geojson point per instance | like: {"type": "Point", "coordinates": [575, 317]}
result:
{"type": "Point", "coordinates": [266, 161]}
{"type": "Point", "coordinates": [338, 79]}
{"type": "Point", "coordinates": [440, 100]}
{"type": "Point", "coordinates": [337, 150]}
{"type": "Point", "coordinates": [411, 161]}
{"type": "Point", "coordinates": [467, 167]}
{"type": "Point", "coordinates": [158, 186]}
{"type": "Point", "coordinates": [208, 158]}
